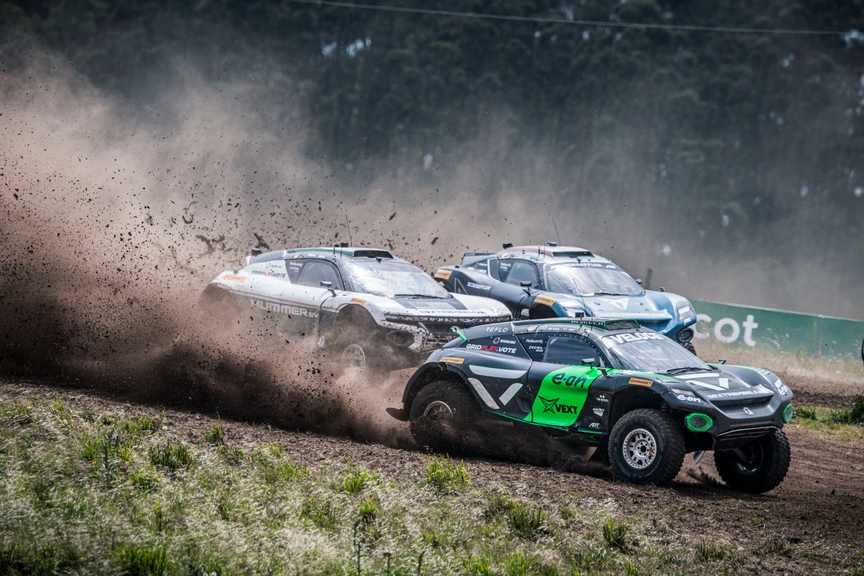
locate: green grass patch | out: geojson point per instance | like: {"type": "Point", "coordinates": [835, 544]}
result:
{"type": "Point", "coordinates": [447, 476]}
{"type": "Point", "coordinates": [615, 533]}
{"type": "Point", "coordinates": [836, 423]}
{"type": "Point", "coordinates": [355, 481]}
{"type": "Point", "coordinates": [143, 560]}
{"type": "Point", "coordinates": [216, 434]}
{"type": "Point", "coordinates": [171, 455]}
{"type": "Point", "coordinates": [854, 415]}
{"type": "Point", "coordinates": [710, 552]}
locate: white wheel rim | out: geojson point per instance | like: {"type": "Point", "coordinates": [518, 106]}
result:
{"type": "Point", "coordinates": [354, 356]}
{"type": "Point", "coordinates": [640, 448]}
{"type": "Point", "coordinates": [438, 410]}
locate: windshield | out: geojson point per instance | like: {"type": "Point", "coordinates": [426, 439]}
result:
{"type": "Point", "coordinates": [391, 279]}
{"type": "Point", "coordinates": [651, 353]}
{"type": "Point", "coordinates": [589, 279]}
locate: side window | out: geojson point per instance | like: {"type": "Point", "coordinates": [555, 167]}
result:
{"type": "Point", "coordinates": [493, 268]}
{"type": "Point", "coordinates": [293, 267]}
{"type": "Point", "coordinates": [535, 344]}
{"type": "Point", "coordinates": [315, 272]}
{"type": "Point", "coordinates": [571, 351]}
{"type": "Point", "coordinates": [522, 271]}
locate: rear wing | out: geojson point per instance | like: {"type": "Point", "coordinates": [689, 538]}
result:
{"type": "Point", "coordinates": [475, 283]}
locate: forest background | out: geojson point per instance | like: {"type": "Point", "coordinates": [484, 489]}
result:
{"type": "Point", "coordinates": [730, 163]}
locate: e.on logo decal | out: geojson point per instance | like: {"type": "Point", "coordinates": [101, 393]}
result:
{"type": "Point", "coordinates": [727, 330]}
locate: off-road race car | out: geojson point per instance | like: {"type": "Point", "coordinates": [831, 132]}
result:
{"type": "Point", "coordinates": [564, 281]}
{"type": "Point", "coordinates": [365, 305]}
{"type": "Point", "coordinates": [640, 398]}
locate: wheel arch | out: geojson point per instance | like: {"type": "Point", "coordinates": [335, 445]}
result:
{"type": "Point", "coordinates": [427, 374]}
{"type": "Point", "coordinates": [633, 398]}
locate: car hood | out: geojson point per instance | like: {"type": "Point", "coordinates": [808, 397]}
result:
{"type": "Point", "coordinates": [726, 386]}
{"type": "Point", "coordinates": [640, 307]}
{"type": "Point", "coordinates": [459, 305]}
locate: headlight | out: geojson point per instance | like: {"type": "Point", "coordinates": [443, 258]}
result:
{"type": "Point", "coordinates": [685, 312]}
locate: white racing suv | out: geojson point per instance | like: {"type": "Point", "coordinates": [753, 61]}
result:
{"type": "Point", "coordinates": [363, 304]}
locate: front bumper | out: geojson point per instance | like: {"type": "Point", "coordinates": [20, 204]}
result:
{"type": "Point", "coordinates": [431, 332]}
{"type": "Point", "coordinates": [736, 421]}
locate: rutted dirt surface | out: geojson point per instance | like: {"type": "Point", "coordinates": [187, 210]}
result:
{"type": "Point", "coordinates": [812, 523]}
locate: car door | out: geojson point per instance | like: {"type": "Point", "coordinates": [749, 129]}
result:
{"type": "Point", "coordinates": [301, 300]}
{"type": "Point", "coordinates": [560, 381]}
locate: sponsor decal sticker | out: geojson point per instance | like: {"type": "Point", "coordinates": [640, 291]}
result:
{"type": "Point", "coordinates": [359, 301]}
{"type": "Point", "coordinates": [551, 405]}
{"type": "Point", "coordinates": [598, 411]}
{"type": "Point", "coordinates": [284, 309]}
{"type": "Point", "coordinates": [751, 392]}
{"type": "Point", "coordinates": [478, 286]}
{"type": "Point", "coordinates": [443, 274]}
{"type": "Point", "coordinates": [640, 382]}
{"type": "Point", "coordinates": [634, 337]}
{"type": "Point", "coordinates": [453, 360]}
{"type": "Point", "coordinates": [492, 348]}
{"type": "Point", "coordinates": [561, 397]}
{"type": "Point", "coordinates": [544, 300]}
{"type": "Point", "coordinates": [234, 278]}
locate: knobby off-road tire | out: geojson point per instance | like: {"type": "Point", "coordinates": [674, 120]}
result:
{"type": "Point", "coordinates": [357, 343]}
{"type": "Point", "coordinates": [442, 416]}
{"type": "Point", "coordinates": [757, 467]}
{"type": "Point", "coordinates": [690, 348]}
{"type": "Point", "coordinates": [646, 447]}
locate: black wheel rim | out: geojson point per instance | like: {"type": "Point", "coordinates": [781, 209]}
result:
{"type": "Point", "coordinates": [438, 410]}
{"type": "Point", "coordinates": [748, 459]}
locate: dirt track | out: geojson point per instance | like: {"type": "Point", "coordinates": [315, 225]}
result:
{"type": "Point", "coordinates": [814, 522]}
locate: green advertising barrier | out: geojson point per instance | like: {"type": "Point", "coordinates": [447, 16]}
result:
{"type": "Point", "coordinates": [779, 331]}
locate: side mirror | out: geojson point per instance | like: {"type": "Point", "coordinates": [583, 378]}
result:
{"type": "Point", "coordinates": [639, 281]}
{"type": "Point", "coordinates": [328, 286]}
{"type": "Point", "coordinates": [721, 361]}
{"type": "Point", "coordinates": [525, 284]}
{"type": "Point", "coordinates": [588, 362]}
{"type": "Point", "coordinates": [662, 289]}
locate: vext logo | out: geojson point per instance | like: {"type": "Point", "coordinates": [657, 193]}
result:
{"type": "Point", "coordinates": [727, 330]}
{"type": "Point", "coordinates": [553, 406]}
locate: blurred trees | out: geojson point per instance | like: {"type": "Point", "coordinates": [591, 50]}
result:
{"type": "Point", "coordinates": [727, 133]}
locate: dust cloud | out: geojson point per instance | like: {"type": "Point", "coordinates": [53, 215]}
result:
{"type": "Point", "coordinates": [115, 218]}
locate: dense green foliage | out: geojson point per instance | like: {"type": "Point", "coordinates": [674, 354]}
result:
{"type": "Point", "coordinates": [745, 137]}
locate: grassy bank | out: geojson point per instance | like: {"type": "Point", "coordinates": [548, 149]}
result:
{"type": "Point", "coordinates": [132, 491]}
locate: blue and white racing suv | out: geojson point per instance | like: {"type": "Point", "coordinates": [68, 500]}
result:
{"type": "Point", "coordinates": [562, 281]}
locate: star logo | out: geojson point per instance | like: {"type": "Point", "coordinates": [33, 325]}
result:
{"type": "Point", "coordinates": [549, 405]}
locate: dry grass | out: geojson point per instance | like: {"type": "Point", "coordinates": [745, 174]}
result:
{"type": "Point", "coordinates": [104, 494]}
